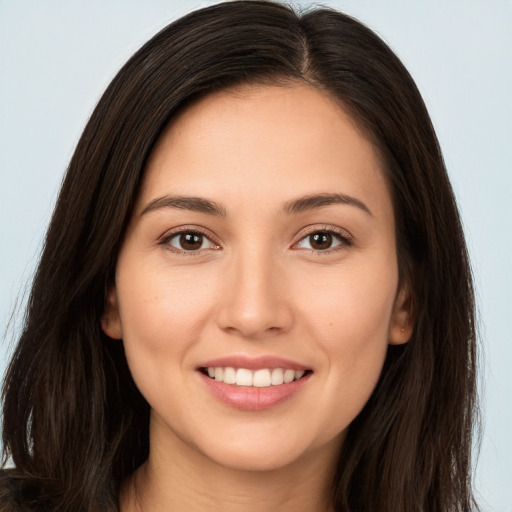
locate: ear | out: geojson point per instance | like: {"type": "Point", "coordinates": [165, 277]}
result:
{"type": "Point", "coordinates": [110, 320]}
{"type": "Point", "coordinates": [402, 320]}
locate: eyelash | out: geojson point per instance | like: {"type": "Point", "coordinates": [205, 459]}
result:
{"type": "Point", "coordinates": [344, 239]}
{"type": "Point", "coordinates": [184, 231]}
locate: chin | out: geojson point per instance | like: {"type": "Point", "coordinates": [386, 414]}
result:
{"type": "Point", "coordinates": [267, 452]}
{"type": "Point", "coordinates": [257, 460]}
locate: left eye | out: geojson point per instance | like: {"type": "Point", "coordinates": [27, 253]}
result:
{"type": "Point", "coordinates": [190, 241]}
{"type": "Point", "coordinates": [321, 241]}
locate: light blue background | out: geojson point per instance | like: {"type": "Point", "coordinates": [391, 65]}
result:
{"type": "Point", "coordinates": [56, 58]}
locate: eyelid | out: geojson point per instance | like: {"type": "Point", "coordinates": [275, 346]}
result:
{"type": "Point", "coordinates": [343, 235]}
{"type": "Point", "coordinates": [168, 235]}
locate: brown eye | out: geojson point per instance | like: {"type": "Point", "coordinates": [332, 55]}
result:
{"type": "Point", "coordinates": [189, 241]}
{"type": "Point", "coordinates": [320, 241]}
{"type": "Point", "coordinates": [323, 241]}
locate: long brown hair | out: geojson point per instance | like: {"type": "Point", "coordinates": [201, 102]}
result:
{"type": "Point", "coordinates": [74, 423]}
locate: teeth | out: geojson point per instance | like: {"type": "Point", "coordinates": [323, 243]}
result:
{"type": "Point", "coordinates": [277, 377]}
{"type": "Point", "coordinates": [243, 377]}
{"type": "Point", "coordinates": [262, 378]}
{"type": "Point", "coordinates": [289, 375]}
{"type": "Point", "coordinates": [229, 375]}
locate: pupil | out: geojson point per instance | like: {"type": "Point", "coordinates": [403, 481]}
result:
{"type": "Point", "coordinates": [191, 241]}
{"type": "Point", "coordinates": [321, 240]}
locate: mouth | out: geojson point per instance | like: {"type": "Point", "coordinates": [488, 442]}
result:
{"type": "Point", "coordinates": [254, 383]}
{"type": "Point", "coordinates": [257, 378]}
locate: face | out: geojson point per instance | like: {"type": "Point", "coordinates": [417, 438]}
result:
{"type": "Point", "coordinates": [257, 287]}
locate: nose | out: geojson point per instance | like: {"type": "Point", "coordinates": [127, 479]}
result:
{"type": "Point", "coordinates": [255, 302]}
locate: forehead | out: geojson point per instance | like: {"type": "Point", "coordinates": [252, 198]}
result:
{"type": "Point", "coordinates": [266, 141]}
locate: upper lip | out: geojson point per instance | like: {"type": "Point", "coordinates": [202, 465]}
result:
{"type": "Point", "coordinates": [253, 363]}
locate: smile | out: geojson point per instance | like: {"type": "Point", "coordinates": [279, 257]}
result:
{"type": "Point", "coordinates": [260, 378]}
{"type": "Point", "coordinates": [254, 384]}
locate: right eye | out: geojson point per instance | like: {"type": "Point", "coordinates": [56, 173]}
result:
{"type": "Point", "coordinates": [189, 242]}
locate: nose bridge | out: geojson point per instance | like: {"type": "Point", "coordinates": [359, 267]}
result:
{"type": "Point", "coordinates": [254, 304]}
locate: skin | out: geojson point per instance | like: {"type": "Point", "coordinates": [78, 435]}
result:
{"type": "Point", "coordinates": [257, 288]}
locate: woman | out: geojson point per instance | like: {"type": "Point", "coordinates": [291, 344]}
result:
{"type": "Point", "coordinates": [254, 291]}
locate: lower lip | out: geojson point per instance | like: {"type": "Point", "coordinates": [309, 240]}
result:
{"type": "Point", "coordinates": [251, 398]}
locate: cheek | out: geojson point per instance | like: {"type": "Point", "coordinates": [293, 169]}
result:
{"type": "Point", "coordinates": [351, 302]}
{"type": "Point", "coordinates": [161, 314]}
{"type": "Point", "coordinates": [350, 325]}
{"type": "Point", "coordinates": [350, 321]}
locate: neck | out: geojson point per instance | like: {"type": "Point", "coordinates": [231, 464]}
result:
{"type": "Point", "coordinates": [182, 479]}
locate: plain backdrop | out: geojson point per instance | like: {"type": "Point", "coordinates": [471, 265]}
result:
{"type": "Point", "coordinates": [56, 58]}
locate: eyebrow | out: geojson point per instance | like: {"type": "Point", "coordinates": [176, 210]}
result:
{"type": "Point", "coordinates": [196, 204]}
{"type": "Point", "coordinates": [301, 204]}
{"type": "Point", "coordinates": [311, 202]}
